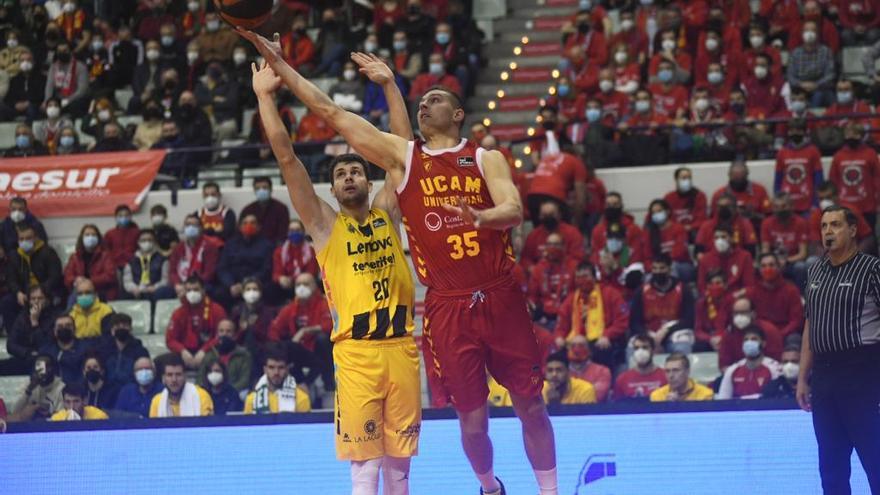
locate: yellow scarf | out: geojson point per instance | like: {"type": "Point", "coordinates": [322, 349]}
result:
{"type": "Point", "coordinates": [594, 317]}
{"type": "Point", "coordinates": [145, 269]}
{"type": "Point", "coordinates": [32, 279]}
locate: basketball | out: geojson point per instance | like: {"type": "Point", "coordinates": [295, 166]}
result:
{"type": "Point", "coordinates": [247, 14]}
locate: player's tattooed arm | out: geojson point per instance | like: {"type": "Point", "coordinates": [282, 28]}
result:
{"type": "Point", "coordinates": [317, 216]}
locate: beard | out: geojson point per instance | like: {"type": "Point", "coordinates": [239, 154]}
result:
{"type": "Point", "coordinates": [356, 199]}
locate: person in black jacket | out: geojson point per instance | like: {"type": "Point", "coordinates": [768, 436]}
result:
{"type": "Point", "coordinates": [25, 144]}
{"type": "Point", "coordinates": [33, 259]}
{"type": "Point", "coordinates": [195, 129]}
{"type": "Point", "coordinates": [101, 392]}
{"type": "Point", "coordinates": [120, 350]}
{"type": "Point", "coordinates": [19, 216]}
{"type": "Point", "coordinates": [113, 139]}
{"type": "Point", "coordinates": [31, 331]}
{"type": "Point", "coordinates": [66, 349]}
{"type": "Point", "coordinates": [225, 397]}
{"type": "Point", "coordinates": [245, 255]}
{"type": "Point", "coordinates": [26, 92]}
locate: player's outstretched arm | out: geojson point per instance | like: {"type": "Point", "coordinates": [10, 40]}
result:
{"type": "Point", "coordinates": [508, 209]}
{"type": "Point", "coordinates": [377, 71]}
{"type": "Point", "coordinates": [317, 216]}
{"type": "Point", "coordinates": [385, 150]}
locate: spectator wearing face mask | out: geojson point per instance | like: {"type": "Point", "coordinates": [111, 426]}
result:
{"type": "Point", "coordinates": [67, 142]}
{"type": "Point", "coordinates": [146, 79]}
{"type": "Point", "coordinates": [557, 177]}
{"type": "Point", "coordinates": [252, 315]}
{"type": "Point", "coordinates": [75, 407]}
{"type": "Point", "coordinates": [811, 67]}
{"type": "Point", "coordinates": [758, 45]}
{"type": "Point", "coordinates": [297, 47]}
{"type": "Point", "coordinates": [171, 139]}
{"type": "Point", "coordinates": [713, 49]}
{"type": "Point", "coordinates": [68, 80]}
{"type": "Point", "coordinates": [146, 275]}
{"type": "Point", "coordinates": [25, 144]}
{"type": "Point", "coordinates": [119, 350]}
{"type": "Point", "coordinates": [91, 260]}
{"type": "Point", "coordinates": [166, 235]}
{"type": "Point", "coordinates": [860, 22]}
{"type": "Point", "coordinates": [827, 196]}
{"type": "Point", "coordinates": [784, 386]}
{"type": "Point", "coordinates": [798, 169]}
{"type": "Point", "coordinates": [718, 86]}
{"type": "Point", "coordinates": [663, 235]}
{"type": "Point", "coordinates": [197, 255]}
{"type": "Point", "coordinates": [855, 171]}
{"type": "Point", "coordinates": [670, 97]}
{"type": "Point", "coordinates": [727, 214]}
{"type": "Point", "coordinates": [47, 131]}
{"type": "Point", "coordinates": [293, 257]}
{"type": "Point", "coordinates": [751, 197]}
{"type": "Point", "coordinates": [225, 397]}
{"type": "Point", "coordinates": [192, 331]}
{"type": "Point", "coordinates": [551, 280]}
{"type": "Point", "coordinates": [178, 398]}
{"type": "Point", "coordinates": [596, 310]}
{"type": "Point", "coordinates": [245, 255]}
{"type": "Point", "coordinates": [632, 38]}
{"type": "Point", "coordinates": [663, 305]}
{"type": "Point", "coordinates": [638, 382]}
{"type": "Point", "coordinates": [406, 63]}
{"type": "Point", "coordinates": [680, 386]}
{"type": "Point", "coordinates": [194, 128]}
{"type": "Point", "coordinates": [618, 257]}
{"type": "Point", "coordinates": [277, 391]}
{"type": "Point", "coordinates": [785, 234]}
{"type": "Point", "coordinates": [135, 397]}
{"type": "Point", "coordinates": [570, 104]}
{"type": "Point", "coordinates": [746, 378]}
{"type": "Point", "coordinates": [11, 53]}
{"type": "Point", "coordinates": [19, 217]}
{"type": "Point", "coordinates": [348, 91]}
{"type": "Point", "coordinates": [744, 319]}
{"type": "Point", "coordinates": [580, 365]}
{"type": "Point", "coordinates": [736, 263]}
{"type": "Point", "coordinates": [272, 215]}
{"type": "Point", "coordinates": [560, 387]}
{"type": "Point", "coordinates": [776, 299]}
{"type": "Point", "coordinates": [587, 38]}
{"type": "Point", "coordinates": [33, 263]}
{"type": "Point", "coordinates": [113, 139]}
{"type": "Point", "coordinates": [614, 214]}
{"type": "Point", "coordinates": [41, 397]}
{"type": "Point", "coordinates": [100, 392]}
{"type": "Point", "coordinates": [437, 75]}
{"type": "Point", "coordinates": [218, 220]}
{"type": "Point", "coordinates": [89, 313]}
{"type": "Point", "coordinates": [845, 103]}
{"type": "Point", "coordinates": [687, 203]}
{"type": "Point", "coordinates": [66, 349]}
{"type": "Point", "coordinates": [172, 45]}
{"type": "Point", "coordinates": [642, 140]}
{"type": "Point", "coordinates": [30, 332]}
{"type": "Point", "coordinates": [826, 30]}
{"type": "Point", "coordinates": [304, 326]}
{"type": "Point", "coordinates": [235, 360]}
{"type": "Point", "coordinates": [614, 104]}
{"type": "Point", "coordinates": [667, 50]}
{"type": "Point", "coordinates": [193, 20]}
{"type": "Point", "coordinates": [26, 91]}
{"type": "Point", "coordinates": [121, 241]}
{"type": "Point", "coordinates": [548, 221]}
{"type": "Point", "coordinates": [217, 95]}
{"type": "Point", "coordinates": [217, 41]}
{"type": "Point", "coordinates": [713, 309]}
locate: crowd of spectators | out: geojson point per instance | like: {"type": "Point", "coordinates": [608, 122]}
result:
{"type": "Point", "coordinates": [63, 62]}
{"type": "Point", "coordinates": [666, 81]}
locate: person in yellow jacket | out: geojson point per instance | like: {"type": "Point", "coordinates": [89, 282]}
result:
{"type": "Point", "coordinates": [680, 386]}
{"type": "Point", "coordinates": [562, 388]}
{"type": "Point", "coordinates": [89, 312]}
{"type": "Point", "coordinates": [74, 405]}
{"type": "Point", "coordinates": [179, 398]}
{"type": "Point", "coordinates": [276, 391]}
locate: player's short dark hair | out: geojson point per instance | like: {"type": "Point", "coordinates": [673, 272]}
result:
{"type": "Point", "coordinates": [755, 330]}
{"type": "Point", "coordinates": [678, 356]}
{"type": "Point", "coordinates": [644, 338]}
{"type": "Point", "coordinates": [262, 179]}
{"type": "Point", "coordinates": [275, 353]}
{"type": "Point", "coordinates": [115, 319]}
{"type": "Point", "coordinates": [349, 158]}
{"type": "Point", "coordinates": [194, 279]}
{"type": "Point", "coordinates": [586, 266]}
{"type": "Point", "coordinates": [663, 259]}
{"type": "Point", "coordinates": [679, 170]}
{"type": "Point", "coordinates": [75, 389]}
{"type": "Point", "coordinates": [121, 208]}
{"type": "Point", "coordinates": [210, 184]}
{"type": "Point", "coordinates": [455, 97]}
{"type": "Point", "coordinates": [160, 208]}
{"type": "Point", "coordinates": [558, 356]}
{"type": "Point", "coordinates": [169, 359]}
{"type": "Point", "coordinates": [851, 218]}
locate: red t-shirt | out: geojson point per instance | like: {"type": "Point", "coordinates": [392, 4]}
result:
{"type": "Point", "coordinates": [298, 315]}
{"type": "Point", "coordinates": [571, 237]}
{"type": "Point", "coordinates": [673, 241]}
{"type": "Point", "coordinates": [780, 304]}
{"type": "Point", "coordinates": [556, 175]}
{"type": "Point", "coordinates": [796, 168]}
{"type": "Point", "coordinates": [669, 100]}
{"type": "Point", "coordinates": [856, 173]}
{"type": "Point", "coordinates": [688, 210]}
{"type": "Point", "coordinates": [615, 105]}
{"type": "Point", "coordinates": [753, 198]}
{"type": "Point", "coordinates": [450, 254]}
{"type": "Point", "coordinates": [599, 376]}
{"type": "Point", "coordinates": [785, 238]}
{"type": "Point", "coordinates": [681, 58]}
{"type": "Point", "coordinates": [737, 266]}
{"type": "Point", "coordinates": [659, 308]}
{"type": "Point", "coordinates": [550, 283]}
{"type": "Point", "coordinates": [632, 384]}
{"type": "Point", "coordinates": [743, 233]}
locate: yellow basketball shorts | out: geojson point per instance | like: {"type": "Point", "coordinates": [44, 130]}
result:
{"type": "Point", "coordinates": [378, 409]}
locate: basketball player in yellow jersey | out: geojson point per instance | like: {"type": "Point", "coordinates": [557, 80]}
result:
{"type": "Point", "coordinates": [370, 290]}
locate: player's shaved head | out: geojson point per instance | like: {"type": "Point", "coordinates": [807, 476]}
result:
{"type": "Point", "coordinates": [453, 97]}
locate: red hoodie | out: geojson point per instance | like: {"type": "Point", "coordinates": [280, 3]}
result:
{"type": "Point", "coordinates": [194, 328]}
{"type": "Point", "coordinates": [856, 173]}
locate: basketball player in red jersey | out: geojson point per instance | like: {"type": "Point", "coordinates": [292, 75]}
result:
{"type": "Point", "coordinates": [458, 204]}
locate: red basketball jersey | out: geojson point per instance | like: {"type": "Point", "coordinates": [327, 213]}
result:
{"type": "Point", "coordinates": [449, 254]}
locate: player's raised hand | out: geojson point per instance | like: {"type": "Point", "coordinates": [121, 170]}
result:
{"type": "Point", "coordinates": [373, 67]}
{"type": "Point", "coordinates": [465, 211]}
{"type": "Point", "coordinates": [265, 81]}
{"type": "Point", "coordinates": [270, 50]}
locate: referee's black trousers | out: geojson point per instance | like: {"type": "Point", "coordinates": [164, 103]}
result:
{"type": "Point", "coordinates": [846, 416]}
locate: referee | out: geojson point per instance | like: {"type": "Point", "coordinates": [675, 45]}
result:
{"type": "Point", "coordinates": [841, 347]}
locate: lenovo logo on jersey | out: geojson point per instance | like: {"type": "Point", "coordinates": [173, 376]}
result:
{"type": "Point", "coordinates": [50, 180]}
{"type": "Point", "coordinates": [368, 247]}
{"type": "Point", "coordinates": [466, 161]}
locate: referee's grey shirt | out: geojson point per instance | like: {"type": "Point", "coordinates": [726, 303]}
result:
{"type": "Point", "coordinates": [843, 304]}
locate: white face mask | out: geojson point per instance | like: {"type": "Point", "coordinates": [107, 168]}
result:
{"type": "Point", "coordinates": [26, 65]}
{"type": "Point", "coordinates": [192, 56]}
{"type": "Point", "coordinates": [722, 245]}
{"type": "Point", "coordinates": [239, 58]}
{"type": "Point", "coordinates": [642, 356]}
{"type": "Point", "coordinates": [760, 72]}
{"type": "Point", "coordinates": [751, 348]}
{"type": "Point", "coordinates": [435, 69]}
{"type": "Point", "coordinates": [193, 296]}
{"type": "Point", "coordinates": [152, 55]}
{"type": "Point", "coordinates": [642, 106]}
{"type": "Point", "coordinates": [215, 378]}
{"type": "Point", "coordinates": [809, 36]}
{"type": "Point", "coordinates": [157, 220]}
{"type": "Point", "coordinates": [714, 77]}
{"type": "Point", "coordinates": [17, 216]}
{"type": "Point", "coordinates": [212, 26]}
{"type": "Point", "coordinates": [349, 74]}
{"type": "Point", "coordinates": [614, 245]}
{"type": "Point", "coordinates": [69, 8]}
{"type": "Point", "coordinates": [193, 6]}
{"type": "Point", "coordinates": [825, 203]}
{"type": "Point", "coordinates": [303, 292]}
{"type": "Point", "coordinates": [741, 321]}
{"type": "Point", "coordinates": [145, 246]}
{"type": "Point", "coordinates": [605, 85]}
{"type": "Point", "coordinates": [756, 41]}
{"type": "Point", "coordinates": [53, 112]}
{"type": "Point", "coordinates": [701, 105]}
{"type": "Point", "coordinates": [659, 217]}
{"type": "Point", "coordinates": [12, 42]}
{"type": "Point", "coordinates": [711, 44]}
{"type": "Point", "coordinates": [791, 370]}
{"type": "Point", "coordinates": [684, 185]}
{"type": "Point", "coordinates": [626, 24]}
{"type": "Point", "coordinates": [251, 296]}
{"type": "Point", "coordinates": [103, 115]}
{"type": "Point", "coordinates": [668, 45]}
{"type": "Point", "coordinates": [620, 57]}
{"type": "Point", "coordinates": [211, 202]}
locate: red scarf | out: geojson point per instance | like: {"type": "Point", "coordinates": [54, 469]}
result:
{"type": "Point", "coordinates": [294, 265]}
{"type": "Point", "coordinates": [64, 81]}
{"type": "Point", "coordinates": [194, 256]}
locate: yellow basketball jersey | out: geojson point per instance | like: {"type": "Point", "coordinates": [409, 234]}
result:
{"type": "Point", "coordinates": [367, 279]}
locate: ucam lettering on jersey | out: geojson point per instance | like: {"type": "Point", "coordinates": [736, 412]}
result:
{"type": "Point", "coordinates": [79, 185]}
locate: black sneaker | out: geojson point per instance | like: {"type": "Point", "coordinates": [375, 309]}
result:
{"type": "Point", "coordinates": [502, 492]}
